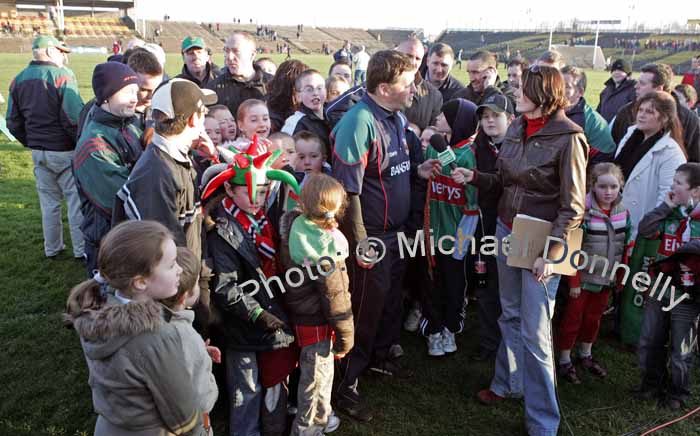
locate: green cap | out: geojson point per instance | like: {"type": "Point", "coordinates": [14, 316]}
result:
{"type": "Point", "coordinates": [191, 42]}
{"type": "Point", "coordinates": [45, 41]}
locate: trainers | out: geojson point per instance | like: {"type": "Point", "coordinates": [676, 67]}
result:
{"type": "Point", "coordinates": [351, 404]}
{"type": "Point", "coordinates": [435, 348]}
{"type": "Point", "coordinates": [413, 320]}
{"type": "Point", "coordinates": [333, 423]}
{"type": "Point", "coordinates": [568, 373]}
{"type": "Point", "coordinates": [487, 397]}
{"type": "Point", "coordinates": [390, 368]}
{"type": "Point", "coordinates": [448, 341]}
{"type": "Point", "coordinates": [395, 351]}
{"type": "Point", "coordinates": [593, 366]}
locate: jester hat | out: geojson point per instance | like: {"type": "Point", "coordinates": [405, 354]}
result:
{"type": "Point", "coordinates": [251, 168]}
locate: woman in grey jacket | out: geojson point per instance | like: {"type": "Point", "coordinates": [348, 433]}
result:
{"type": "Point", "coordinates": [135, 354]}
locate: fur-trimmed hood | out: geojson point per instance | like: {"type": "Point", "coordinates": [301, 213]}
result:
{"type": "Point", "coordinates": [110, 328]}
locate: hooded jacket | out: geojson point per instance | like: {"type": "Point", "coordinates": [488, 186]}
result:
{"type": "Point", "coordinates": [325, 299]}
{"type": "Point", "coordinates": [106, 153]}
{"type": "Point", "coordinates": [612, 97]}
{"type": "Point", "coordinates": [543, 176]}
{"type": "Point", "coordinates": [139, 379]}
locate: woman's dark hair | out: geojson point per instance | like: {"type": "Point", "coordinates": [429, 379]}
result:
{"type": "Point", "coordinates": [665, 105]}
{"type": "Point", "coordinates": [281, 97]}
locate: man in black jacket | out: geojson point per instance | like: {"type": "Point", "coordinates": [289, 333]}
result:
{"type": "Point", "coordinates": [657, 77]}
{"type": "Point", "coordinates": [440, 61]}
{"type": "Point", "coordinates": [240, 80]}
{"type": "Point", "coordinates": [484, 80]}
{"type": "Point", "coordinates": [198, 67]}
{"type": "Point", "coordinates": [42, 113]}
{"type": "Point", "coordinates": [161, 187]}
{"type": "Point", "coordinates": [618, 91]}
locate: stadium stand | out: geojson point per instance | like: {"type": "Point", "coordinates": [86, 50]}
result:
{"type": "Point", "coordinates": [355, 36]}
{"type": "Point", "coordinates": [393, 37]}
{"type": "Point", "coordinates": [171, 33]}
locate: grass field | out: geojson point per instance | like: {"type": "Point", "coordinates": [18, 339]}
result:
{"type": "Point", "coordinates": [44, 390]}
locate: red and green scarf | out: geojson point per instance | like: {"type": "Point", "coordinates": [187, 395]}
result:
{"type": "Point", "coordinates": [258, 227]}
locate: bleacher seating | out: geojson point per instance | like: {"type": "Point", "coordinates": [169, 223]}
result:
{"type": "Point", "coordinates": [393, 37]}
{"type": "Point", "coordinates": [173, 32]}
{"type": "Point", "coordinates": [98, 26]}
{"type": "Point", "coordinates": [356, 37]}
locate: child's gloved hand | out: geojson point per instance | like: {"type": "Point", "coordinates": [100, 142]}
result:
{"type": "Point", "coordinates": [213, 352]}
{"type": "Point", "coordinates": [268, 321]}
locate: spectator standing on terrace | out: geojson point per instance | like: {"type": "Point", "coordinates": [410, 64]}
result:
{"type": "Point", "coordinates": [361, 61]}
{"type": "Point", "coordinates": [618, 91]}
{"type": "Point", "coordinates": [198, 67]}
{"type": "Point", "coordinates": [240, 80]}
{"type": "Point", "coordinates": [440, 61]}
{"type": "Point", "coordinates": [344, 53]}
{"type": "Point", "coordinates": [42, 113]}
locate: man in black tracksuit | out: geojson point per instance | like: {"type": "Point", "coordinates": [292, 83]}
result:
{"type": "Point", "coordinates": [618, 91]}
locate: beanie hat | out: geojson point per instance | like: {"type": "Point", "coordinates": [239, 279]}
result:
{"type": "Point", "coordinates": [450, 110]}
{"type": "Point", "coordinates": [110, 77]}
{"type": "Point", "coordinates": [622, 65]}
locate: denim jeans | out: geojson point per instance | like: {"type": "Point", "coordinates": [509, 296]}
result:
{"type": "Point", "coordinates": [245, 392]}
{"type": "Point", "coordinates": [681, 322]}
{"type": "Point", "coordinates": [524, 365]}
{"type": "Point", "coordinates": [54, 182]}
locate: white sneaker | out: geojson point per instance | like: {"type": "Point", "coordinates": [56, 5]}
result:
{"type": "Point", "coordinates": [435, 348]}
{"type": "Point", "coordinates": [448, 341]}
{"type": "Point", "coordinates": [413, 320]}
{"type": "Point", "coordinates": [333, 423]}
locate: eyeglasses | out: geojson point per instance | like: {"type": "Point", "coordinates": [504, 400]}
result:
{"type": "Point", "coordinates": [311, 89]}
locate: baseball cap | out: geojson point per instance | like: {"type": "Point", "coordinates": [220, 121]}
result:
{"type": "Point", "coordinates": [45, 41]}
{"type": "Point", "coordinates": [191, 42]}
{"type": "Point", "coordinates": [181, 97]}
{"type": "Point", "coordinates": [496, 102]}
{"type": "Point", "coordinates": [621, 65]}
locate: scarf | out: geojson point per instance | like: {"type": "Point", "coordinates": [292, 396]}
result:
{"type": "Point", "coordinates": [533, 125]}
{"type": "Point", "coordinates": [634, 150]}
{"type": "Point", "coordinates": [260, 231]}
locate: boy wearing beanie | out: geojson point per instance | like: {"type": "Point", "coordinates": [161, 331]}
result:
{"type": "Point", "coordinates": [108, 148]}
{"type": "Point", "coordinates": [618, 91]}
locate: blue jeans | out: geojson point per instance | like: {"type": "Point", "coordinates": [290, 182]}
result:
{"type": "Point", "coordinates": [360, 76]}
{"type": "Point", "coordinates": [245, 392]}
{"type": "Point", "coordinates": [681, 322]}
{"type": "Point", "coordinates": [524, 365]}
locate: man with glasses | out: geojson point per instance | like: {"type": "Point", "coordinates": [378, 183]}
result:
{"type": "Point", "coordinates": [484, 80]}
{"type": "Point", "coordinates": [240, 79]}
{"type": "Point", "coordinates": [162, 185]}
{"type": "Point", "coordinates": [42, 113]}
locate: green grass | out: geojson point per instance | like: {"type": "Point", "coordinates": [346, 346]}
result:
{"type": "Point", "coordinates": [44, 388]}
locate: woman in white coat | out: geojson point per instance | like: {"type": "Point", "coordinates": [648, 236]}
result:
{"type": "Point", "coordinates": [649, 154]}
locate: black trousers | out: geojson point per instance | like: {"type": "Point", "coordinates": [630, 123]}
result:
{"type": "Point", "coordinates": [444, 305]}
{"type": "Point", "coordinates": [377, 303]}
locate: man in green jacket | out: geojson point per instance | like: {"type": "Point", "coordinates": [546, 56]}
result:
{"type": "Point", "coordinates": [42, 113]}
{"type": "Point", "coordinates": [107, 150]}
{"type": "Point", "coordinates": [602, 146]}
